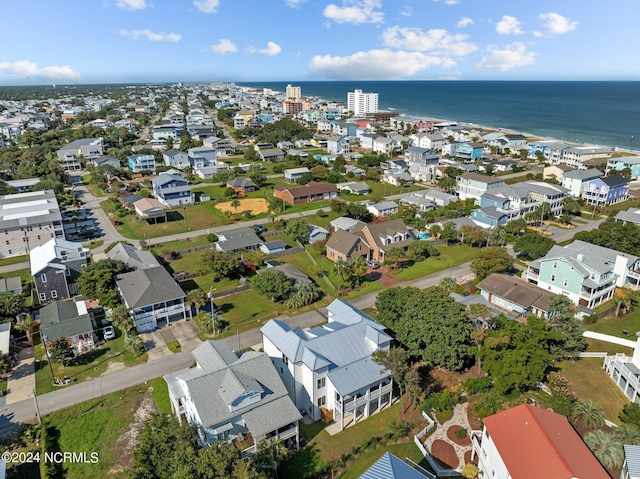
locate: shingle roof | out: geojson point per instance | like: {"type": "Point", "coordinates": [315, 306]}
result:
{"type": "Point", "coordinates": [632, 215]}
{"type": "Point", "coordinates": [144, 287]}
{"type": "Point", "coordinates": [344, 241]}
{"type": "Point", "coordinates": [614, 180]}
{"type": "Point", "coordinates": [310, 189]}
{"type": "Point", "coordinates": [237, 239]}
{"type": "Point", "coordinates": [516, 290]}
{"type": "Point", "coordinates": [63, 319]}
{"type": "Point", "coordinates": [132, 256]}
{"type": "Point", "coordinates": [583, 174]}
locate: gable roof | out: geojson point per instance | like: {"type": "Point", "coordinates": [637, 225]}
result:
{"type": "Point", "coordinates": [389, 229]}
{"type": "Point", "coordinates": [63, 319]}
{"type": "Point", "coordinates": [233, 240]}
{"type": "Point", "coordinates": [43, 255]}
{"type": "Point", "coordinates": [344, 241]}
{"type": "Point", "coordinates": [553, 447]}
{"type": "Point", "coordinates": [583, 174]}
{"type": "Point", "coordinates": [516, 290]}
{"type": "Point", "coordinates": [132, 256]}
{"type": "Point", "coordinates": [479, 177]}
{"type": "Point", "coordinates": [310, 189]}
{"type": "Point", "coordinates": [390, 467]}
{"type": "Point", "coordinates": [143, 287]}
{"type": "Point", "coordinates": [614, 180]}
{"type": "Point", "coordinates": [243, 182]}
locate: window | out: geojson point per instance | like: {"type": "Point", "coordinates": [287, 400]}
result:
{"type": "Point", "coordinates": [54, 294]}
{"type": "Point", "coordinates": [43, 277]}
{"type": "Point", "coordinates": [322, 401]}
{"type": "Point", "coordinates": [553, 278]}
{"type": "Point", "coordinates": [67, 272]}
{"type": "Point", "coordinates": [43, 297]}
{"type": "Point", "coordinates": [7, 242]}
{"type": "Point", "coordinates": [555, 265]}
{"type": "Point", "coordinates": [321, 383]}
{"type": "Point", "coordinates": [285, 360]}
{"type": "Point", "coordinates": [565, 283]}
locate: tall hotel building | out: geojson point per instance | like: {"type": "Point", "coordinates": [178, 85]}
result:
{"type": "Point", "coordinates": [293, 92]}
{"type": "Point", "coordinates": [362, 103]}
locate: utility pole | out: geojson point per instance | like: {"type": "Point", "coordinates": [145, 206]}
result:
{"type": "Point", "coordinates": [45, 339]}
{"type": "Point", "coordinates": [35, 402]}
{"type": "Point", "coordinates": [213, 312]}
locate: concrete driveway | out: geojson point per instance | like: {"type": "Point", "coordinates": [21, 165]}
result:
{"type": "Point", "coordinates": [185, 332]}
{"type": "Point", "coordinates": [155, 345]}
{"type": "Point", "coordinates": [22, 378]}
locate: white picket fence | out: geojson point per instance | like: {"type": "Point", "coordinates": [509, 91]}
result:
{"type": "Point", "coordinates": [610, 339]}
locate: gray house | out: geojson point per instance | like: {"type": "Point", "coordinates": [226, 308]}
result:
{"type": "Point", "coordinates": [176, 158]}
{"type": "Point", "coordinates": [234, 241]}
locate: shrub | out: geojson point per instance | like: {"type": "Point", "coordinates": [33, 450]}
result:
{"type": "Point", "coordinates": [401, 428]}
{"type": "Point", "coordinates": [591, 319]}
{"type": "Point", "coordinates": [441, 401]}
{"type": "Point", "coordinates": [355, 450]}
{"type": "Point", "coordinates": [365, 444]}
{"type": "Point", "coordinates": [475, 385]}
{"type": "Point", "coordinates": [460, 433]}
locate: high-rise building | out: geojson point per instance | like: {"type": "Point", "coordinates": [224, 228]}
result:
{"type": "Point", "coordinates": [292, 107]}
{"type": "Point", "coordinates": [293, 92]}
{"type": "Point", "coordinates": [362, 103]}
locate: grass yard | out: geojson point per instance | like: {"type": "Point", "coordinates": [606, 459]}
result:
{"type": "Point", "coordinates": [160, 395]}
{"type": "Point", "coordinates": [108, 357]}
{"type": "Point", "coordinates": [614, 326]}
{"type": "Point", "coordinates": [27, 284]}
{"type": "Point", "coordinates": [14, 260]}
{"type": "Point", "coordinates": [449, 256]}
{"type": "Point", "coordinates": [180, 245]}
{"type": "Point", "coordinates": [174, 346]}
{"type": "Point", "coordinates": [597, 346]}
{"type": "Point", "coordinates": [589, 381]}
{"type": "Point", "coordinates": [94, 244]}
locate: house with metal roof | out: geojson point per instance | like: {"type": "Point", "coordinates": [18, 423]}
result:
{"type": "Point", "coordinates": [631, 466]}
{"type": "Point", "coordinates": [586, 273]}
{"type": "Point", "coordinates": [391, 467]}
{"type": "Point", "coordinates": [328, 370]}
{"type": "Point", "coordinates": [527, 442]}
{"type": "Point", "coordinates": [632, 215]}
{"type": "Point", "coordinates": [152, 297]}
{"type": "Point", "coordinates": [234, 398]}
{"type": "Point", "coordinates": [69, 320]}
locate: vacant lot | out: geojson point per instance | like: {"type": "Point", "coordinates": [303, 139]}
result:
{"type": "Point", "coordinates": [255, 205]}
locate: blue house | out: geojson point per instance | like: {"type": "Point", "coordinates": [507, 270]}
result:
{"type": "Point", "coordinates": [619, 164]}
{"type": "Point", "coordinates": [606, 190]}
{"type": "Point", "coordinates": [489, 216]}
{"type": "Point", "coordinates": [172, 191]}
{"type": "Point", "coordinates": [142, 162]}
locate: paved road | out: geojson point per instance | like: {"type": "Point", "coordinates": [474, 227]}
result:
{"type": "Point", "coordinates": [562, 234]}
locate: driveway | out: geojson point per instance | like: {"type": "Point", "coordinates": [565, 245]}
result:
{"type": "Point", "coordinates": [186, 333]}
{"type": "Point", "coordinates": [155, 345]}
{"type": "Point", "coordinates": [22, 378]}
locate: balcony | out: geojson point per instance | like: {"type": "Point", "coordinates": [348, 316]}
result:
{"type": "Point", "coordinates": [159, 312]}
{"type": "Point", "coordinates": [590, 294]}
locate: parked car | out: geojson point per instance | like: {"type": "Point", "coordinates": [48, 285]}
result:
{"type": "Point", "coordinates": [373, 264]}
{"type": "Point", "coordinates": [260, 229]}
{"type": "Point", "coordinates": [109, 332]}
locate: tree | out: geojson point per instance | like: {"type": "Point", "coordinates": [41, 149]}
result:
{"type": "Point", "coordinates": [630, 414]}
{"type": "Point", "coordinates": [565, 322]}
{"type": "Point", "coordinates": [196, 298]}
{"type": "Point", "coordinates": [615, 235]}
{"type": "Point", "coordinates": [448, 283]}
{"type": "Point", "coordinates": [302, 295]}
{"type": "Point", "coordinates": [449, 232]}
{"type": "Point", "coordinates": [446, 183]}
{"type": "Point", "coordinates": [10, 306]}
{"type": "Point", "coordinates": [259, 179]}
{"type": "Point", "coordinates": [135, 344]}
{"type": "Point", "coordinates": [60, 351]}
{"type": "Point", "coordinates": [421, 250]}
{"type": "Point", "coordinates": [605, 447]}
{"type": "Point", "coordinates": [97, 281]}
{"type": "Point", "coordinates": [297, 229]}
{"type": "Point", "coordinates": [27, 326]}
{"type": "Point", "coordinates": [394, 255]}
{"type": "Point", "coordinates": [590, 413]}
{"type": "Point", "coordinates": [218, 263]}
{"type": "Point", "coordinates": [571, 205]}
{"type": "Point", "coordinates": [541, 213]}
{"type": "Point", "coordinates": [396, 362]}
{"type": "Point", "coordinates": [359, 268]}
{"type": "Point", "coordinates": [275, 285]}
{"type": "Point", "coordinates": [319, 173]}
{"type": "Point", "coordinates": [516, 226]}
{"type": "Point", "coordinates": [121, 318]}
{"type": "Point", "coordinates": [491, 260]}
{"type": "Point", "coordinates": [435, 230]}
{"type": "Point", "coordinates": [235, 203]}
{"type": "Point", "coordinates": [533, 245]}
{"type": "Point", "coordinates": [627, 434]}
{"type": "Point", "coordinates": [305, 178]}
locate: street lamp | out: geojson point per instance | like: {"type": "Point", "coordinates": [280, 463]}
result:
{"type": "Point", "coordinates": [35, 402]}
{"type": "Point", "coordinates": [45, 339]}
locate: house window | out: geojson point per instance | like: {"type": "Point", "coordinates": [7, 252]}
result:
{"type": "Point", "coordinates": [553, 278]}
{"type": "Point", "coordinates": [322, 401]}
{"type": "Point", "coordinates": [285, 360]}
{"type": "Point", "coordinates": [565, 283]}
{"type": "Point", "coordinates": [67, 272]}
{"type": "Point", "coordinates": [7, 242]}
{"type": "Point", "coordinates": [321, 383]}
{"type": "Point", "coordinates": [43, 278]}
{"type": "Point", "coordinates": [43, 296]}
{"type": "Point", "coordinates": [555, 265]}
{"type": "Point", "coordinates": [54, 294]}
{"type": "Point", "coordinates": [593, 276]}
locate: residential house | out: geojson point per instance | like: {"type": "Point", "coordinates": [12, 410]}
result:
{"type": "Point", "coordinates": [354, 187]}
{"type": "Point", "coordinates": [489, 217]}
{"type": "Point", "coordinates": [625, 370]}
{"type": "Point", "coordinates": [176, 158]}
{"type": "Point", "coordinates": [516, 296]}
{"type": "Point", "coordinates": [586, 273]}
{"type": "Point", "coordinates": [344, 246]}
{"type": "Point", "coordinates": [203, 155]}
{"type": "Point", "coordinates": [397, 179]}
{"type": "Point", "coordinates": [556, 171]}
{"type": "Point", "coordinates": [464, 150]}
{"type": "Point", "coordinates": [69, 320]}
{"type": "Point", "coordinates": [514, 142]}
{"type": "Point", "coordinates": [241, 186]}
{"type": "Point", "coordinates": [241, 119]}
{"type": "Point", "coordinates": [367, 139]}
{"type": "Point", "coordinates": [383, 208]}
{"type": "Point", "coordinates": [152, 297]}
{"type": "Point", "coordinates": [356, 170]}
{"type": "Point", "coordinates": [105, 160]}
{"type": "Point", "coordinates": [421, 203]}
{"type": "Point", "coordinates": [271, 154]}
{"type": "Point", "coordinates": [86, 149]}
{"type": "Point", "coordinates": [234, 398]}
{"type": "Point", "coordinates": [5, 343]}
{"type": "Point", "coordinates": [172, 191]}
{"type": "Point", "coordinates": [241, 239]}
{"type": "Point", "coordinates": [391, 467]}
{"type": "Point", "coordinates": [576, 181]}
{"type": "Point", "coordinates": [292, 175]}
{"type": "Point", "coordinates": [141, 163]}
{"type": "Point", "coordinates": [273, 246]}
{"type": "Point", "coordinates": [385, 146]}
{"type": "Point", "coordinates": [440, 198]}
{"type": "Point", "coordinates": [337, 145]}
{"type": "Point", "coordinates": [208, 172]}
{"type": "Point", "coordinates": [431, 141]}
{"type": "Point", "coordinates": [312, 191]}
{"type": "Point", "coordinates": [416, 154]}
{"type": "Point", "coordinates": [619, 164]}
{"type": "Point", "coordinates": [474, 185]}
{"type": "Point", "coordinates": [328, 371]}
{"type": "Point", "coordinates": [132, 257]}
{"type": "Point", "coordinates": [607, 190]}
{"type": "Point", "coordinates": [55, 267]}
{"type": "Point", "coordinates": [150, 209]}
{"type": "Point", "coordinates": [632, 215]}
{"type": "Point", "coordinates": [631, 465]}
{"type": "Point", "coordinates": [345, 223]}
{"type": "Point", "coordinates": [577, 156]}
{"type": "Point", "coordinates": [21, 185]}
{"type": "Point", "coordinates": [12, 285]}
{"type": "Point", "coordinates": [317, 233]}
{"type": "Point", "coordinates": [28, 220]}
{"type": "Point", "coordinates": [554, 448]}
{"type": "Point", "coordinates": [221, 145]}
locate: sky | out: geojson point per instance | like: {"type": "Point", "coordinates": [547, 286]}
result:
{"type": "Point", "coordinates": [138, 41]}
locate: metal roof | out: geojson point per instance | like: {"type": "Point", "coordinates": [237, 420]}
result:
{"type": "Point", "coordinates": [390, 467]}
{"type": "Point", "coordinates": [632, 456]}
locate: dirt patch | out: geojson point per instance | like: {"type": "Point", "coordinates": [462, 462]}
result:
{"type": "Point", "coordinates": [127, 442]}
{"type": "Point", "coordinates": [113, 367]}
{"type": "Point", "coordinates": [451, 434]}
{"type": "Point", "coordinates": [472, 416]}
{"type": "Point", "coordinates": [444, 453]}
{"type": "Point", "coordinates": [467, 458]}
{"type": "Point", "coordinates": [383, 276]}
{"type": "Point", "coordinates": [255, 205]}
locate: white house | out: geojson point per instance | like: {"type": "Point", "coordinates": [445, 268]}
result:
{"type": "Point", "coordinates": [383, 208]}
{"type": "Point", "coordinates": [234, 398]}
{"type": "Point", "coordinates": [328, 370]}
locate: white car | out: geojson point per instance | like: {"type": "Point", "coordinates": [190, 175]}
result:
{"type": "Point", "coordinates": [109, 332]}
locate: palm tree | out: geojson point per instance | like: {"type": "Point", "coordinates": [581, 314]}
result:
{"type": "Point", "coordinates": [448, 283]}
{"type": "Point", "coordinates": [197, 299]}
{"type": "Point", "coordinates": [121, 318]}
{"type": "Point", "coordinates": [627, 434]}
{"type": "Point", "coordinates": [605, 447]}
{"type": "Point", "coordinates": [235, 203]}
{"type": "Point", "coordinates": [589, 413]}
{"type": "Point", "coordinates": [303, 294]}
{"type": "Point", "coordinates": [27, 326]}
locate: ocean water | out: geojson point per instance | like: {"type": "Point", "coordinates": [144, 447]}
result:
{"type": "Point", "coordinates": [602, 113]}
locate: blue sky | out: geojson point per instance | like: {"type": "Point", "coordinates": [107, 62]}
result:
{"type": "Point", "coordinates": [100, 41]}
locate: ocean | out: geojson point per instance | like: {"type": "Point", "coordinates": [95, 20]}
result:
{"type": "Point", "coordinates": [602, 113]}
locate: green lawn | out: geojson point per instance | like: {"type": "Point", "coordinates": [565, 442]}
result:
{"type": "Point", "coordinates": [87, 366]}
{"type": "Point", "coordinates": [614, 326]}
{"type": "Point", "coordinates": [94, 244]}
{"type": "Point", "coordinates": [27, 284]}
{"type": "Point", "coordinates": [174, 346]}
{"type": "Point", "coordinates": [449, 256]}
{"type": "Point", "coordinates": [180, 245]}
{"type": "Point", "coordinates": [161, 395]}
{"type": "Point", "coordinates": [14, 260]}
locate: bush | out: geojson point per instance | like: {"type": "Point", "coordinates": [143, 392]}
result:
{"type": "Point", "coordinates": [591, 319]}
{"type": "Point", "coordinates": [212, 237]}
{"type": "Point", "coordinates": [460, 433]}
{"type": "Point", "coordinates": [365, 444]}
{"type": "Point", "coordinates": [355, 450]}
{"type": "Point", "coordinates": [474, 385]}
{"type": "Point", "coordinates": [441, 401]}
{"type": "Point", "coordinates": [488, 404]}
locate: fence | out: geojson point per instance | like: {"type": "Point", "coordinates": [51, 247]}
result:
{"type": "Point", "coordinates": [228, 292]}
{"type": "Point", "coordinates": [610, 339]}
{"type": "Point", "coordinates": [435, 465]}
{"type": "Point", "coordinates": [607, 312]}
{"type": "Point", "coordinates": [592, 355]}
{"type": "Point", "coordinates": [287, 252]}
{"type": "Point", "coordinates": [196, 248]}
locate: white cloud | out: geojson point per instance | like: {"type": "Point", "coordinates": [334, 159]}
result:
{"type": "Point", "coordinates": [514, 55]}
{"type": "Point", "coordinates": [406, 11]}
{"type": "Point", "coordinates": [224, 46]}
{"type": "Point", "coordinates": [556, 24]}
{"type": "Point", "coordinates": [294, 3]}
{"type": "Point", "coordinates": [131, 5]}
{"type": "Point", "coordinates": [26, 68]}
{"type": "Point", "coordinates": [437, 41]}
{"type": "Point", "coordinates": [374, 65]}
{"type": "Point", "coordinates": [271, 49]}
{"type": "Point", "coordinates": [207, 6]}
{"type": "Point", "coordinates": [538, 34]}
{"type": "Point", "coordinates": [464, 22]}
{"type": "Point", "coordinates": [151, 36]}
{"type": "Point", "coordinates": [355, 11]}
{"type": "Point", "coordinates": [449, 2]}
{"type": "Point", "coordinates": [509, 26]}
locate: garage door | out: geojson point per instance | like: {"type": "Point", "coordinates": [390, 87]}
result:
{"type": "Point", "coordinates": [145, 325]}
